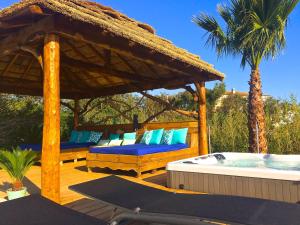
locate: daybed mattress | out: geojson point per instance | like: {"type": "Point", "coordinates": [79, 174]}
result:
{"type": "Point", "coordinates": [137, 149]}
{"type": "Point", "coordinates": [63, 146]}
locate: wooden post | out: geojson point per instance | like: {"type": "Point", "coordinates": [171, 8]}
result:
{"type": "Point", "coordinates": [76, 113]}
{"type": "Point", "coordinates": [202, 126]}
{"type": "Point", "coordinates": [50, 180]}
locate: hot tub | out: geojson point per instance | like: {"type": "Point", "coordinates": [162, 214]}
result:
{"type": "Point", "coordinates": [268, 176]}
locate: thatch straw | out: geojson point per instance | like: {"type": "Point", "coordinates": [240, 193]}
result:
{"type": "Point", "coordinates": [117, 23]}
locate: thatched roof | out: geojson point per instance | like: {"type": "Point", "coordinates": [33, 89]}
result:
{"type": "Point", "coordinates": [91, 33]}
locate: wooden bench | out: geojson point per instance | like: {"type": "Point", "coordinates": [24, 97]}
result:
{"type": "Point", "coordinates": [147, 162]}
{"type": "Point", "coordinates": [73, 154]}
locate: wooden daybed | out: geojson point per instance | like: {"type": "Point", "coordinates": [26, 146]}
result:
{"type": "Point", "coordinates": [67, 154]}
{"type": "Point", "coordinates": [73, 154]}
{"type": "Point", "coordinates": [147, 162]}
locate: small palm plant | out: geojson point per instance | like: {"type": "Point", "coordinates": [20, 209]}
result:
{"type": "Point", "coordinates": [16, 163]}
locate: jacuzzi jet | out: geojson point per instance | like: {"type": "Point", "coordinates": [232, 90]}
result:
{"type": "Point", "coordinates": [189, 162]}
{"type": "Point", "coordinates": [219, 157]}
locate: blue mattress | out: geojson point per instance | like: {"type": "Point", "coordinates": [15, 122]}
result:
{"type": "Point", "coordinates": [137, 149]}
{"type": "Point", "coordinates": [63, 146]}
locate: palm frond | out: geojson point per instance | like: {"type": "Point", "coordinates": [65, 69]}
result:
{"type": "Point", "coordinates": [17, 162]}
{"type": "Point", "coordinates": [254, 28]}
{"type": "Point", "coordinates": [216, 36]}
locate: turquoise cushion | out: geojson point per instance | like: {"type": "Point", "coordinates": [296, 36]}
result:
{"type": "Point", "coordinates": [74, 136]}
{"type": "Point", "coordinates": [179, 136]}
{"type": "Point", "coordinates": [156, 136]}
{"type": "Point", "coordinates": [146, 137]}
{"type": "Point", "coordinates": [95, 136]}
{"type": "Point", "coordinates": [129, 136]}
{"type": "Point", "coordinates": [167, 137]}
{"type": "Point", "coordinates": [114, 136]}
{"type": "Point", "coordinates": [83, 136]}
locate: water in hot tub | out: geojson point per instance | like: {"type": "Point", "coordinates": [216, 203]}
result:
{"type": "Point", "coordinates": [254, 161]}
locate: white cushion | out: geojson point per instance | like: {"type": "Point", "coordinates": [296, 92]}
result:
{"type": "Point", "coordinates": [103, 143]}
{"type": "Point", "coordinates": [128, 142]}
{"type": "Point", "coordinates": [115, 143]}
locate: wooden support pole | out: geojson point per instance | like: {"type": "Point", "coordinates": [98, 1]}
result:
{"type": "Point", "coordinates": [202, 127]}
{"type": "Point", "coordinates": [76, 114]}
{"type": "Point", "coordinates": [50, 180]}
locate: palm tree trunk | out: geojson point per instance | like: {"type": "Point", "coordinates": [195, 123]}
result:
{"type": "Point", "coordinates": [256, 115]}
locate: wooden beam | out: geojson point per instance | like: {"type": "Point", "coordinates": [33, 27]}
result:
{"type": "Point", "coordinates": [9, 25]}
{"type": "Point", "coordinates": [107, 57]}
{"type": "Point", "coordinates": [36, 53]}
{"type": "Point", "coordinates": [91, 67]}
{"type": "Point", "coordinates": [77, 82]}
{"type": "Point", "coordinates": [169, 106]}
{"type": "Point", "coordinates": [30, 10]}
{"type": "Point", "coordinates": [127, 64]}
{"type": "Point", "coordinates": [11, 62]}
{"type": "Point", "coordinates": [96, 51]}
{"type": "Point", "coordinates": [51, 129]}
{"type": "Point", "coordinates": [26, 35]}
{"type": "Point", "coordinates": [28, 67]}
{"type": "Point", "coordinates": [78, 52]}
{"type": "Point", "coordinates": [202, 126]}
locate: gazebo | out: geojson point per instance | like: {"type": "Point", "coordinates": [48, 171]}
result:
{"type": "Point", "coordinates": [75, 49]}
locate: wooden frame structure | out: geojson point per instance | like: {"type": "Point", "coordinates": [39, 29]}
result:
{"type": "Point", "coordinates": [147, 162]}
{"type": "Point", "coordinates": [79, 49]}
{"type": "Point", "coordinates": [73, 154]}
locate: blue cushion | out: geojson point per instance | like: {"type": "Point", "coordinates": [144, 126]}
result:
{"type": "Point", "coordinates": [146, 137]}
{"type": "Point", "coordinates": [167, 137]}
{"type": "Point", "coordinates": [79, 136]}
{"type": "Point", "coordinates": [179, 136]}
{"type": "Point", "coordinates": [137, 149]}
{"type": "Point", "coordinates": [114, 136]}
{"type": "Point", "coordinates": [129, 136]}
{"type": "Point", "coordinates": [74, 136]}
{"type": "Point", "coordinates": [95, 136]}
{"type": "Point", "coordinates": [156, 136]}
{"type": "Point", "coordinates": [63, 146]}
{"type": "Point", "coordinates": [84, 137]}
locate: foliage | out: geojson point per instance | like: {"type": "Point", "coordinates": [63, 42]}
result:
{"type": "Point", "coordinates": [255, 29]}
{"type": "Point", "coordinates": [16, 163]}
{"type": "Point", "coordinates": [21, 118]}
{"type": "Point", "coordinates": [229, 125]}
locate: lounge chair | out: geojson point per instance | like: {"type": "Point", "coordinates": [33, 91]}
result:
{"type": "Point", "coordinates": [36, 210]}
{"type": "Point", "coordinates": [147, 202]}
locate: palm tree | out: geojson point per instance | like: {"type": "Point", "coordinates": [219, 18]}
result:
{"type": "Point", "coordinates": [254, 30]}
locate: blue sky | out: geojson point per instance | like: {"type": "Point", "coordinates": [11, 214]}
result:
{"type": "Point", "coordinates": [172, 20]}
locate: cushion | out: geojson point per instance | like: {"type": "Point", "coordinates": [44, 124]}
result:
{"type": "Point", "coordinates": [137, 149]}
{"type": "Point", "coordinates": [156, 136]}
{"type": "Point", "coordinates": [167, 137]}
{"type": "Point", "coordinates": [95, 136]}
{"type": "Point", "coordinates": [84, 136]}
{"type": "Point", "coordinates": [146, 137]}
{"type": "Point", "coordinates": [114, 136]}
{"type": "Point", "coordinates": [103, 143]}
{"type": "Point", "coordinates": [74, 136]}
{"type": "Point", "coordinates": [179, 136]}
{"type": "Point", "coordinates": [129, 136]}
{"type": "Point", "coordinates": [128, 142]}
{"type": "Point", "coordinates": [115, 143]}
